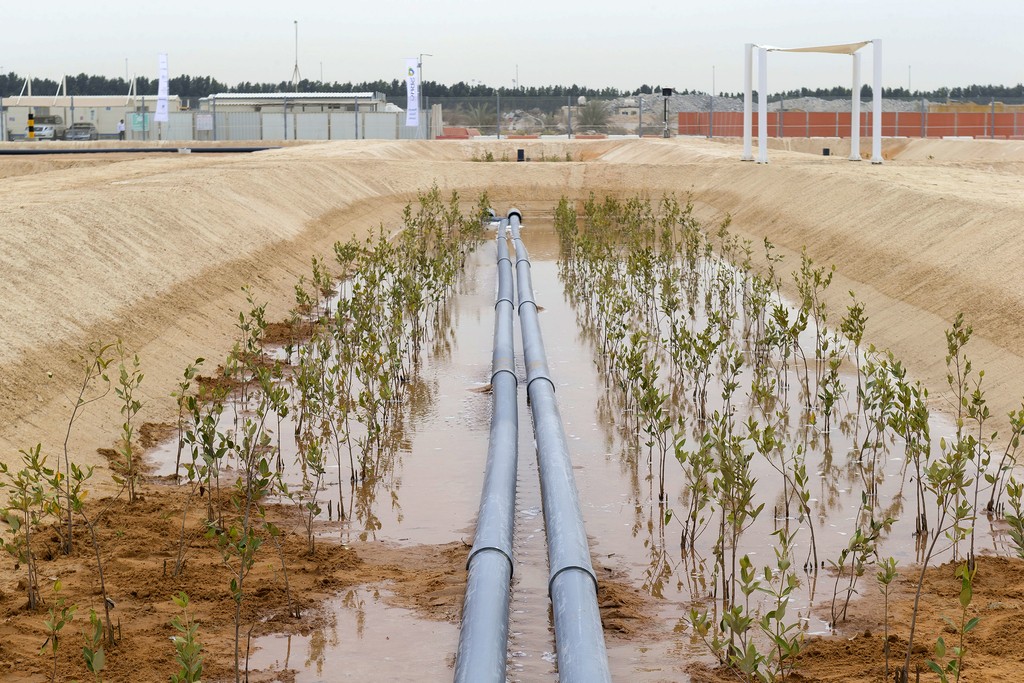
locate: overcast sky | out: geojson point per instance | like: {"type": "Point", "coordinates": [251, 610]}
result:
{"type": "Point", "coordinates": [597, 43]}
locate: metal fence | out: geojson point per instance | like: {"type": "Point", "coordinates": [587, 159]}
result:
{"type": "Point", "coordinates": [518, 117]}
{"type": "Point", "coordinates": [235, 125]}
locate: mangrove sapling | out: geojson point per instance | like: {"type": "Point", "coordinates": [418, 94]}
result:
{"type": "Point", "coordinates": [657, 422]}
{"type": "Point", "coordinates": [958, 368]}
{"type": "Point", "coordinates": [830, 389]}
{"type": "Point", "coordinates": [950, 668]}
{"type": "Point", "coordinates": [29, 499]}
{"type": "Point", "coordinates": [861, 549]}
{"type": "Point", "coordinates": [812, 284]}
{"type": "Point", "coordinates": [946, 479]}
{"type": "Point", "coordinates": [93, 651]}
{"type": "Point", "coordinates": [879, 404]}
{"type": "Point", "coordinates": [59, 616]}
{"type": "Point", "coordinates": [733, 485]}
{"type": "Point", "coordinates": [275, 533]}
{"type": "Point", "coordinates": [187, 648]}
{"type": "Point", "coordinates": [180, 396]}
{"type": "Point", "coordinates": [80, 476]}
{"type": "Point", "coordinates": [129, 379]}
{"type": "Point", "coordinates": [910, 419]}
{"type": "Point", "coordinates": [94, 385]}
{"type": "Point", "coordinates": [852, 326]}
{"type": "Point", "coordinates": [786, 638]}
{"type": "Point", "coordinates": [1007, 462]}
{"type": "Point", "coordinates": [311, 456]}
{"type": "Point", "coordinates": [978, 412]}
{"type": "Point", "coordinates": [1014, 491]}
{"type": "Point", "coordinates": [697, 465]}
{"type": "Point", "coordinates": [885, 576]}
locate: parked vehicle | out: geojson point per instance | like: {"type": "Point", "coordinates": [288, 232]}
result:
{"type": "Point", "coordinates": [48, 128]}
{"type": "Point", "coordinates": [82, 131]}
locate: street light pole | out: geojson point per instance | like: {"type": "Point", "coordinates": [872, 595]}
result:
{"type": "Point", "coordinates": [665, 94]}
{"type": "Point", "coordinates": [295, 74]}
{"type": "Point", "coordinates": [422, 94]}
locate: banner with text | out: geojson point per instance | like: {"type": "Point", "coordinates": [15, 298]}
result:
{"type": "Point", "coordinates": [161, 93]}
{"type": "Point", "coordinates": [412, 89]}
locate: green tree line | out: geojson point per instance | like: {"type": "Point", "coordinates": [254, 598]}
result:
{"type": "Point", "coordinates": [193, 87]}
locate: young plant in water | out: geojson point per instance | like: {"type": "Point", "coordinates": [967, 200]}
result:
{"type": "Point", "coordinates": [181, 399]}
{"type": "Point", "coordinates": [946, 479]}
{"type": "Point", "coordinates": [129, 379]}
{"type": "Point", "coordinates": [1014, 491]}
{"type": "Point", "coordinates": [860, 551]}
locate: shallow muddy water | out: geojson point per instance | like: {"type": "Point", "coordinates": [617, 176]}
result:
{"type": "Point", "coordinates": [431, 494]}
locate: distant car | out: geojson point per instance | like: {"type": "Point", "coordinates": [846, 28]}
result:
{"type": "Point", "coordinates": [82, 131]}
{"type": "Point", "coordinates": [48, 128]}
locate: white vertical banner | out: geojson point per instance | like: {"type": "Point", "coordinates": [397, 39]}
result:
{"type": "Point", "coordinates": [161, 93]}
{"type": "Point", "coordinates": [412, 89]}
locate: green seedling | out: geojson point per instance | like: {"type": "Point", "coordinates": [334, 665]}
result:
{"type": "Point", "coordinates": [93, 651]}
{"type": "Point", "coordinates": [95, 384]}
{"type": "Point", "coordinates": [187, 648]}
{"type": "Point", "coordinates": [30, 499]}
{"type": "Point", "coordinates": [59, 616]}
{"type": "Point", "coordinates": [129, 379]}
{"type": "Point", "coordinates": [948, 662]}
{"type": "Point", "coordinates": [885, 575]}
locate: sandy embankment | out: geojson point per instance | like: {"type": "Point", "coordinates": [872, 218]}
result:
{"type": "Point", "coordinates": [155, 250]}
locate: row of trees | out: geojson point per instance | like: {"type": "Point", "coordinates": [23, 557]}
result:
{"type": "Point", "coordinates": [11, 84]}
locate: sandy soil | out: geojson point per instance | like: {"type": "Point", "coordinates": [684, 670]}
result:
{"type": "Point", "coordinates": [154, 250]}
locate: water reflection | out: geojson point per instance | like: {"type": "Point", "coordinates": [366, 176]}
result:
{"type": "Point", "coordinates": [360, 638]}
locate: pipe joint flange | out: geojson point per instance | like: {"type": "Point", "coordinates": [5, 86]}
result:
{"type": "Point", "coordinates": [509, 368]}
{"type": "Point", "coordinates": [500, 551]}
{"type": "Point", "coordinates": [539, 375]}
{"type": "Point", "coordinates": [572, 567]}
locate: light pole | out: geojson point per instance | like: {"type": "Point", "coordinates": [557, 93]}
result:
{"type": "Point", "coordinates": [422, 95]}
{"type": "Point", "coordinates": [295, 74]}
{"type": "Point", "coordinates": [665, 94]}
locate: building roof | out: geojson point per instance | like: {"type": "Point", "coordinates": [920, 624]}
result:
{"type": "Point", "coordinates": [276, 96]}
{"type": "Point", "coordinates": [79, 100]}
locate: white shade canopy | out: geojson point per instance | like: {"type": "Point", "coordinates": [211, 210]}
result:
{"type": "Point", "coordinates": [844, 49]}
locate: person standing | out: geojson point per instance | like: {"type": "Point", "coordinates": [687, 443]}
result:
{"type": "Point", "coordinates": [120, 129]}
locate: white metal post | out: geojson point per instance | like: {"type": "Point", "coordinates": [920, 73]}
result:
{"type": "Point", "coordinates": [855, 110]}
{"type": "Point", "coordinates": [762, 106]}
{"type": "Point", "coordinates": [876, 109]}
{"type": "Point", "coordinates": [748, 105]}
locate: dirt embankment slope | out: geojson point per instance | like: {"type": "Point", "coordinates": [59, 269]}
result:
{"type": "Point", "coordinates": [155, 250]}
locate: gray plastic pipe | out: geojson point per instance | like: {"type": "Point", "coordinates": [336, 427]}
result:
{"type": "Point", "coordinates": [572, 583]}
{"type": "Point", "coordinates": [483, 641]}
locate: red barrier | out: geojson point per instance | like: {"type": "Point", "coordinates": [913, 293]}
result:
{"type": "Point", "coordinates": [799, 124]}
